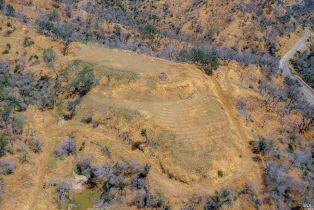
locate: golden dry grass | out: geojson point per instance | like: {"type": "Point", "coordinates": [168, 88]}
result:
{"type": "Point", "coordinates": [190, 116]}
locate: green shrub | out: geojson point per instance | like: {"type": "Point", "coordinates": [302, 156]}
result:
{"type": "Point", "coordinates": [4, 52]}
{"type": "Point", "coordinates": [144, 133]}
{"type": "Point", "coordinates": [4, 140]}
{"type": "Point", "coordinates": [150, 30]}
{"type": "Point", "coordinates": [49, 57]}
{"type": "Point", "coordinates": [262, 146]}
{"type": "Point", "coordinates": [260, 12]}
{"type": "Point", "coordinates": [71, 108]}
{"type": "Point", "coordinates": [27, 41]}
{"type": "Point", "coordinates": [6, 49]}
{"type": "Point", "coordinates": [64, 31]}
{"type": "Point", "coordinates": [10, 11]}
{"type": "Point", "coordinates": [220, 173]}
{"type": "Point", "coordinates": [117, 30]}
{"type": "Point", "coordinates": [45, 26]}
{"type": "Point", "coordinates": [272, 49]}
{"type": "Point", "coordinates": [2, 4]}
{"type": "Point", "coordinates": [46, 98]}
{"type": "Point", "coordinates": [33, 58]}
{"type": "Point", "coordinates": [83, 81]}
{"type": "Point", "coordinates": [19, 123]}
{"type": "Point", "coordinates": [208, 61]}
{"type": "Point", "coordinates": [54, 16]}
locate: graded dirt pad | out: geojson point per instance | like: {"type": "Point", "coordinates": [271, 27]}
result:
{"type": "Point", "coordinates": [206, 137]}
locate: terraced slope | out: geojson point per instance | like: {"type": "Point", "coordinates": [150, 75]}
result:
{"type": "Point", "coordinates": [206, 139]}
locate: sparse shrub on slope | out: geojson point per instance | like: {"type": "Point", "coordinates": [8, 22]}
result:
{"type": "Point", "coordinates": [1, 186]}
{"type": "Point", "coordinates": [7, 167]}
{"type": "Point", "coordinates": [88, 119]}
{"type": "Point", "coordinates": [4, 140]}
{"type": "Point", "coordinates": [35, 144]}
{"type": "Point", "coordinates": [46, 98]}
{"type": "Point", "coordinates": [117, 30]}
{"type": "Point", "coordinates": [27, 41]}
{"type": "Point", "coordinates": [24, 154]}
{"type": "Point", "coordinates": [49, 57]}
{"type": "Point", "coordinates": [83, 81]}
{"type": "Point", "coordinates": [223, 197]}
{"type": "Point", "coordinates": [66, 148]}
{"type": "Point", "coordinates": [54, 16]}
{"type": "Point", "coordinates": [6, 49]}
{"type": "Point", "coordinates": [106, 151]}
{"type": "Point", "coordinates": [262, 146]}
{"type": "Point", "coordinates": [150, 30]}
{"type": "Point", "coordinates": [10, 11]}
{"type": "Point", "coordinates": [241, 107]}
{"type": "Point", "coordinates": [71, 108]}
{"type": "Point", "coordinates": [45, 26]}
{"type": "Point", "coordinates": [2, 4]}
{"type": "Point", "coordinates": [63, 191]}
{"type": "Point", "coordinates": [76, 80]}
{"type": "Point", "coordinates": [64, 31]}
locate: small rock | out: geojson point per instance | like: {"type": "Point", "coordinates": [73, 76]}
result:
{"type": "Point", "coordinates": [95, 124]}
{"type": "Point", "coordinates": [77, 183]}
{"type": "Point", "coordinates": [87, 119]}
{"type": "Point", "coordinates": [163, 76]}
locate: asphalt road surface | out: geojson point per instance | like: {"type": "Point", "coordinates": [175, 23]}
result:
{"type": "Point", "coordinates": [284, 65]}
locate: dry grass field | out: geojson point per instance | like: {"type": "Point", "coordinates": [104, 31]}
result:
{"type": "Point", "coordinates": [202, 130]}
{"type": "Point", "coordinates": [196, 129]}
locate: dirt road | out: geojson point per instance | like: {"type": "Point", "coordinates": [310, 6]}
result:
{"type": "Point", "coordinates": [284, 65]}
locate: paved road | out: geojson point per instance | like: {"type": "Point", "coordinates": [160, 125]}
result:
{"type": "Point", "coordinates": [284, 65]}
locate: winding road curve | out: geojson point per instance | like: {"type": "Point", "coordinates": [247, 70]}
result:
{"type": "Point", "coordinates": [284, 65]}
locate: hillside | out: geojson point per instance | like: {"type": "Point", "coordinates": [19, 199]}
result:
{"type": "Point", "coordinates": [130, 105]}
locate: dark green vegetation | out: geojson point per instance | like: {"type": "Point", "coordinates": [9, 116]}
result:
{"type": "Point", "coordinates": [7, 49]}
{"type": "Point", "coordinates": [49, 57]}
{"type": "Point", "coordinates": [303, 63]}
{"type": "Point", "coordinates": [72, 84]}
{"type": "Point", "coordinates": [208, 61]}
{"type": "Point", "coordinates": [82, 82]}
{"type": "Point", "coordinates": [27, 42]}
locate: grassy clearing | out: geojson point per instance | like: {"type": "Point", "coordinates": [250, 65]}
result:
{"type": "Point", "coordinates": [84, 200]}
{"type": "Point", "coordinates": [110, 73]}
{"type": "Point", "coordinates": [117, 74]}
{"type": "Point", "coordinates": [59, 113]}
{"type": "Point", "coordinates": [53, 162]}
{"type": "Point", "coordinates": [125, 113]}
